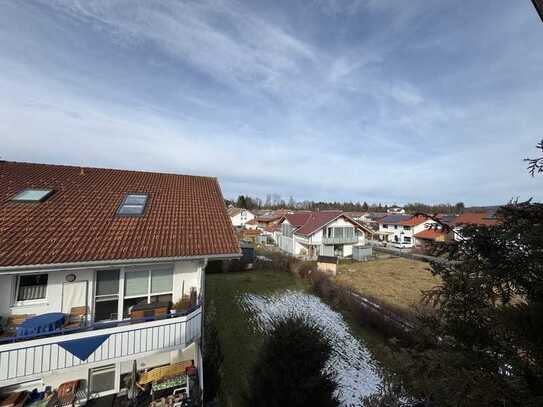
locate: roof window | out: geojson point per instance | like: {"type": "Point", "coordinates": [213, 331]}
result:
{"type": "Point", "coordinates": [33, 195]}
{"type": "Point", "coordinates": [133, 205]}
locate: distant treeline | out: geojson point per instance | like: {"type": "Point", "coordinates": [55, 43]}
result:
{"type": "Point", "coordinates": [275, 202]}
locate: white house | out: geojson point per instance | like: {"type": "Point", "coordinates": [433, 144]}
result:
{"type": "Point", "coordinates": [100, 268]}
{"type": "Point", "coordinates": [240, 216]}
{"type": "Point", "coordinates": [327, 233]}
{"type": "Point", "coordinates": [400, 230]}
{"type": "Point", "coordinates": [397, 210]}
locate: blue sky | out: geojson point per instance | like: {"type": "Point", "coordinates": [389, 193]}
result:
{"type": "Point", "coordinates": [378, 100]}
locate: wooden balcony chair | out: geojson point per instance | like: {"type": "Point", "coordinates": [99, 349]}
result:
{"type": "Point", "coordinates": [13, 321]}
{"type": "Point", "coordinates": [77, 317]}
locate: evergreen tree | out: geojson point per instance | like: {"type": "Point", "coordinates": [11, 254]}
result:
{"type": "Point", "coordinates": [241, 202]}
{"type": "Point", "coordinates": [535, 165]}
{"type": "Point", "coordinates": [290, 368]}
{"type": "Point", "coordinates": [488, 318]}
{"type": "Point", "coordinates": [365, 206]}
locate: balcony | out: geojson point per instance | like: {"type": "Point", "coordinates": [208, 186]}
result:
{"type": "Point", "coordinates": [29, 358]}
{"type": "Point", "coordinates": [340, 240]}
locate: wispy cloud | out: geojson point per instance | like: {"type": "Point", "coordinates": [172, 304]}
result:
{"type": "Point", "coordinates": [359, 100]}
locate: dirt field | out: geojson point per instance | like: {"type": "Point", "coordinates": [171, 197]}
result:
{"type": "Point", "coordinates": [396, 281]}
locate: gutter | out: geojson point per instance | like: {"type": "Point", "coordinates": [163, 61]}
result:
{"type": "Point", "coordinates": [114, 262]}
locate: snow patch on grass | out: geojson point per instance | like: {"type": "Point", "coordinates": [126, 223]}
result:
{"type": "Point", "coordinates": [350, 363]}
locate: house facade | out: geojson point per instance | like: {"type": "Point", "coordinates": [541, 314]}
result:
{"type": "Point", "coordinates": [100, 268]}
{"type": "Point", "coordinates": [400, 230]}
{"type": "Point", "coordinates": [239, 216]}
{"type": "Point", "coordinates": [487, 218]}
{"type": "Point", "coordinates": [323, 233]}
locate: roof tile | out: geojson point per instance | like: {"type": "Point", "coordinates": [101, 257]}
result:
{"type": "Point", "coordinates": [185, 216]}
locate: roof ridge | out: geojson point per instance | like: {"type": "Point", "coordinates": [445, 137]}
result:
{"type": "Point", "coordinates": [79, 167]}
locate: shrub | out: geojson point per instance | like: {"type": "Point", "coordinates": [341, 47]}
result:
{"type": "Point", "coordinates": [289, 370]}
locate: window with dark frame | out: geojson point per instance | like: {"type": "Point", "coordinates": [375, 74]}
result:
{"type": "Point", "coordinates": [32, 287]}
{"type": "Point", "coordinates": [133, 205]}
{"type": "Point", "coordinates": [102, 379]}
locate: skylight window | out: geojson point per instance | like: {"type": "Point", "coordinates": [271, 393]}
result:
{"type": "Point", "coordinates": [32, 195]}
{"type": "Point", "coordinates": [133, 205]}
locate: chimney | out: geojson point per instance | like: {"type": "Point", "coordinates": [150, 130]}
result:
{"type": "Point", "coordinates": [82, 172]}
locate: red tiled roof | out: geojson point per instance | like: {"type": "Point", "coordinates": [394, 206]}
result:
{"type": "Point", "coordinates": [252, 222]}
{"type": "Point", "coordinates": [474, 218]}
{"type": "Point", "coordinates": [317, 220]}
{"type": "Point", "coordinates": [405, 220]}
{"type": "Point", "coordinates": [185, 216]}
{"type": "Point", "coordinates": [298, 219]}
{"type": "Point", "coordinates": [414, 221]}
{"type": "Point", "coordinates": [430, 234]}
{"type": "Point", "coordinates": [308, 222]}
{"type": "Point", "coordinates": [268, 218]}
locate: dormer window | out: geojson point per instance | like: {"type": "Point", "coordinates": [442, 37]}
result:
{"type": "Point", "coordinates": [133, 205]}
{"type": "Point", "coordinates": [33, 195]}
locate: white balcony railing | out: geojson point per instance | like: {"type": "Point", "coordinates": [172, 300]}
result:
{"type": "Point", "coordinates": [31, 358]}
{"type": "Point", "coordinates": [340, 240]}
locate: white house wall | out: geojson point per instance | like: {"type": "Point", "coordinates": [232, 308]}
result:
{"type": "Point", "coordinates": [53, 300]}
{"type": "Point", "coordinates": [186, 274]}
{"type": "Point", "coordinates": [410, 232]}
{"type": "Point", "coordinates": [241, 219]}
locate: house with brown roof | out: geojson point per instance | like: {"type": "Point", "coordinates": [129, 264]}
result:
{"type": "Point", "coordinates": [240, 216]}
{"type": "Point", "coordinates": [327, 233]}
{"type": "Point", "coordinates": [401, 230]}
{"type": "Point", "coordinates": [487, 218]}
{"type": "Point", "coordinates": [100, 268]}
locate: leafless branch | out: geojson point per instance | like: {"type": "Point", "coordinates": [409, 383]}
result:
{"type": "Point", "coordinates": [535, 165]}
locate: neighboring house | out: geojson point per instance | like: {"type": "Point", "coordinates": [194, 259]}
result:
{"type": "Point", "coordinates": [252, 224]}
{"type": "Point", "coordinates": [265, 221]}
{"type": "Point", "coordinates": [394, 209]}
{"type": "Point", "coordinates": [250, 235]}
{"type": "Point", "coordinates": [400, 230]}
{"type": "Point", "coordinates": [101, 255]}
{"type": "Point", "coordinates": [473, 218]}
{"type": "Point", "coordinates": [240, 216]}
{"type": "Point", "coordinates": [327, 233]}
{"type": "Point", "coordinates": [447, 218]}
{"type": "Point", "coordinates": [371, 219]}
{"type": "Point", "coordinates": [427, 237]}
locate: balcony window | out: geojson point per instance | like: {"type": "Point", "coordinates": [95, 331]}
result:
{"type": "Point", "coordinates": [385, 226]}
{"type": "Point", "coordinates": [407, 228]}
{"type": "Point", "coordinates": [144, 285]}
{"type": "Point", "coordinates": [107, 295]}
{"type": "Point", "coordinates": [102, 380]}
{"type": "Point", "coordinates": [340, 232]}
{"type": "Point", "coordinates": [407, 239]}
{"type": "Point", "coordinates": [32, 287]}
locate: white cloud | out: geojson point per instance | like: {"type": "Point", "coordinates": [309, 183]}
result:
{"type": "Point", "coordinates": [220, 38]}
{"type": "Point", "coordinates": [297, 117]}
